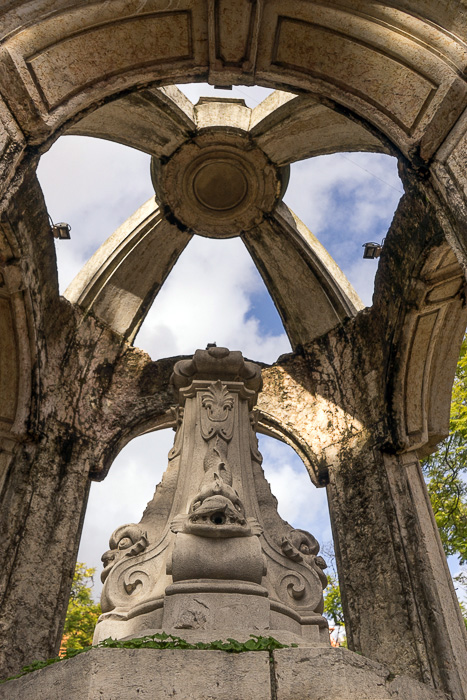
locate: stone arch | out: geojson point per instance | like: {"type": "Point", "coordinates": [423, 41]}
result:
{"type": "Point", "coordinates": [123, 277]}
{"type": "Point", "coordinates": [50, 93]}
{"type": "Point", "coordinates": [50, 85]}
{"type": "Point", "coordinates": [432, 332]}
{"type": "Point", "coordinates": [121, 280]}
{"type": "Point", "coordinates": [60, 64]}
{"type": "Point", "coordinates": [157, 120]}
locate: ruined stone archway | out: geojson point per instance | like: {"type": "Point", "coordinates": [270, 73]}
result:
{"type": "Point", "coordinates": [410, 96]}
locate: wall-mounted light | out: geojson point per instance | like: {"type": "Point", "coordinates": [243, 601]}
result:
{"type": "Point", "coordinates": [61, 230]}
{"type": "Point", "coordinates": [372, 250]}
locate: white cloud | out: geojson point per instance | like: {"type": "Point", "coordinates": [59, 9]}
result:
{"type": "Point", "coordinates": [299, 502]}
{"type": "Point", "coordinates": [94, 186]}
{"type": "Point", "coordinates": [358, 190]}
{"type": "Point", "coordinates": [206, 298]}
{"type": "Point", "coordinates": [346, 200]}
{"type": "Point", "coordinates": [252, 95]}
{"type": "Point", "coordinates": [361, 275]}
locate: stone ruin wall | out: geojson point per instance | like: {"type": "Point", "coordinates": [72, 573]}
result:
{"type": "Point", "coordinates": [366, 391]}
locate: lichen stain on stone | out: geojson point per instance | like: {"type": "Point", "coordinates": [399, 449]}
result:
{"type": "Point", "coordinates": [154, 377]}
{"type": "Point", "coordinates": [104, 373]}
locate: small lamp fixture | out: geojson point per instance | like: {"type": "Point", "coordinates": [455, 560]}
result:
{"type": "Point", "coordinates": [61, 230]}
{"type": "Point", "coordinates": [372, 250]}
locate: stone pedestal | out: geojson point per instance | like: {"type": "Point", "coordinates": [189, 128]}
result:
{"type": "Point", "coordinates": [285, 674]}
{"type": "Point", "coordinates": [216, 607]}
{"type": "Point", "coordinates": [211, 552]}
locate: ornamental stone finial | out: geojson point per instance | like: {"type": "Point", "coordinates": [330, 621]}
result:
{"type": "Point", "coordinates": [211, 551]}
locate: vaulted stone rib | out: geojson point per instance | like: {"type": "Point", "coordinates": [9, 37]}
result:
{"type": "Point", "coordinates": [310, 291]}
{"type": "Point", "coordinates": [290, 127]}
{"type": "Point", "coordinates": [121, 280]}
{"type": "Point", "coordinates": [155, 121]}
{"type": "Point", "coordinates": [287, 127]}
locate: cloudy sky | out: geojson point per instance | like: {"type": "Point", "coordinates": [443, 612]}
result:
{"type": "Point", "coordinates": [344, 199]}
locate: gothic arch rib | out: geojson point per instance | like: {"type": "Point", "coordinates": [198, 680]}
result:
{"type": "Point", "coordinates": [309, 289]}
{"type": "Point", "coordinates": [155, 121]}
{"type": "Point", "coordinates": [158, 120]}
{"type": "Point", "coordinates": [121, 280]}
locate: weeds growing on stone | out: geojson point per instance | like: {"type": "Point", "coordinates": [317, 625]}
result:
{"type": "Point", "coordinates": [163, 641]}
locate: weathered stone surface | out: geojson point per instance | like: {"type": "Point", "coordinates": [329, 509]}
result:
{"type": "Point", "coordinates": [348, 400]}
{"type": "Point", "coordinates": [132, 674]}
{"type": "Point", "coordinates": [235, 610]}
{"type": "Point", "coordinates": [224, 559]}
{"type": "Point", "coordinates": [300, 274]}
{"type": "Point", "coordinates": [51, 77]}
{"type": "Point", "coordinates": [155, 121]}
{"type": "Point", "coordinates": [285, 126]}
{"type": "Point", "coordinates": [217, 183]}
{"type": "Point", "coordinates": [346, 429]}
{"type": "Point", "coordinates": [211, 181]}
{"type": "Point", "coordinates": [335, 674]}
{"type": "Point", "coordinates": [286, 674]}
{"type": "Point", "coordinates": [54, 441]}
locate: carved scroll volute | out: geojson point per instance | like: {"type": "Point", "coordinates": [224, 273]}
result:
{"type": "Point", "coordinates": [126, 543]}
{"type": "Point", "coordinates": [303, 586]}
{"type": "Point", "coordinates": [295, 575]}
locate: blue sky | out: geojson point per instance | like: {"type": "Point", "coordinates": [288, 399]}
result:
{"type": "Point", "coordinates": [344, 199]}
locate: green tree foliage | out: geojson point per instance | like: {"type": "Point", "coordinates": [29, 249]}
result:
{"type": "Point", "coordinates": [445, 471]}
{"type": "Point", "coordinates": [332, 601]}
{"type": "Point", "coordinates": [461, 581]}
{"type": "Point", "coordinates": [332, 597]}
{"type": "Point", "coordinates": [82, 613]}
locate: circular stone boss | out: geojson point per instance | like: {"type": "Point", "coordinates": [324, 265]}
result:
{"type": "Point", "coordinates": [218, 185]}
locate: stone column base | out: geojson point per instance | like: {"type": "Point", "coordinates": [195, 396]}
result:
{"type": "Point", "coordinates": [214, 605]}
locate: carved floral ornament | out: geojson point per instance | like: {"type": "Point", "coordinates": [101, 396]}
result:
{"type": "Point", "coordinates": [218, 537]}
{"type": "Point", "coordinates": [217, 416]}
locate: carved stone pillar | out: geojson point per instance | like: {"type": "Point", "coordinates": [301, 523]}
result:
{"type": "Point", "coordinates": [211, 551]}
{"type": "Point", "coordinates": [43, 502]}
{"type": "Point", "coordinates": [399, 603]}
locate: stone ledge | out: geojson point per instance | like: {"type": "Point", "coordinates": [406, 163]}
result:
{"type": "Point", "coordinates": [135, 674]}
{"type": "Point", "coordinates": [340, 674]}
